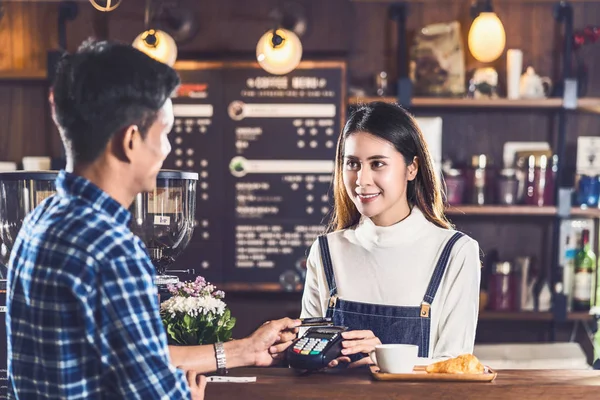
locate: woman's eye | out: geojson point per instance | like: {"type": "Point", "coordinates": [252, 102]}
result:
{"type": "Point", "coordinates": [377, 164]}
{"type": "Point", "coordinates": [351, 164]}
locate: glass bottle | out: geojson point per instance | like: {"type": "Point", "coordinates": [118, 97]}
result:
{"type": "Point", "coordinates": [569, 270]}
{"type": "Point", "coordinates": [585, 263]}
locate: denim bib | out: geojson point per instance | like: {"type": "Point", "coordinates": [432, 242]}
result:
{"type": "Point", "coordinates": [391, 324]}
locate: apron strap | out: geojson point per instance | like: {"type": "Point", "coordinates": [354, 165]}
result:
{"type": "Point", "coordinates": [328, 267]}
{"type": "Point", "coordinates": [438, 274]}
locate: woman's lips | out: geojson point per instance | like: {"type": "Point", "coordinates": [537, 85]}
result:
{"type": "Point", "coordinates": [368, 197]}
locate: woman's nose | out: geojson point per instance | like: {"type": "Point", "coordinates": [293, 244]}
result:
{"type": "Point", "coordinates": [364, 177]}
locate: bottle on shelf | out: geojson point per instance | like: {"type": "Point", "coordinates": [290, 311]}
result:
{"type": "Point", "coordinates": [585, 265]}
{"type": "Point", "coordinates": [569, 271]}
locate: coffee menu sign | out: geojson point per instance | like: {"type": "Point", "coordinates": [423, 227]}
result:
{"type": "Point", "coordinates": [264, 149]}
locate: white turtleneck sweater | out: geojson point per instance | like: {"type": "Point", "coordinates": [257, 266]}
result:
{"type": "Point", "coordinates": [393, 266]}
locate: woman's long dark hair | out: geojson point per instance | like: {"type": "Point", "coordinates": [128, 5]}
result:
{"type": "Point", "coordinates": [394, 124]}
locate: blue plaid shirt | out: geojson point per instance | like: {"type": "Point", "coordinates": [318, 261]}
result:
{"type": "Point", "coordinates": [82, 309]}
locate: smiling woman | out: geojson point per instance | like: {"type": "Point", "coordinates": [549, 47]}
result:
{"type": "Point", "coordinates": [392, 269]}
{"type": "Point", "coordinates": [395, 153]}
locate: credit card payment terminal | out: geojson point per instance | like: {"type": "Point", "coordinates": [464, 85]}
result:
{"type": "Point", "coordinates": [316, 348]}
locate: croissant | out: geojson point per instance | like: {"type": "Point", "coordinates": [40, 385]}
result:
{"type": "Point", "coordinates": [463, 364]}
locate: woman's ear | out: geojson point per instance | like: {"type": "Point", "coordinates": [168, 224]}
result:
{"type": "Point", "coordinates": [413, 168]}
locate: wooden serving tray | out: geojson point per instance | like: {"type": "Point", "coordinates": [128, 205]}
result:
{"type": "Point", "coordinates": [420, 375]}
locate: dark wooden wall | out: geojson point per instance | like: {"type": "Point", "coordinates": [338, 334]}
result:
{"type": "Point", "coordinates": [359, 31]}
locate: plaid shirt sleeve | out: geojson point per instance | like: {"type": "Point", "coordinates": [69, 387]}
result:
{"type": "Point", "coordinates": [133, 340]}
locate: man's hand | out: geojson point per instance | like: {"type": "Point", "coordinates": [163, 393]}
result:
{"type": "Point", "coordinates": [269, 342]}
{"type": "Point", "coordinates": [197, 384]}
{"type": "Point", "coordinates": [356, 342]}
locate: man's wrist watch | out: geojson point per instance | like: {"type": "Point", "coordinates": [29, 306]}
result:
{"type": "Point", "coordinates": [220, 357]}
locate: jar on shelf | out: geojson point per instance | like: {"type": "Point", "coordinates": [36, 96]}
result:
{"type": "Point", "coordinates": [507, 187]}
{"type": "Point", "coordinates": [588, 190]}
{"type": "Point", "coordinates": [455, 186]}
{"type": "Point", "coordinates": [503, 287]}
{"type": "Point", "coordinates": [479, 180]}
{"type": "Point", "coordinates": [537, 175]}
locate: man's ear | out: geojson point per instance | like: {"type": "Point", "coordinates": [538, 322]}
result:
{"type": "Point", "coordinates": [127, 143]}
{"type": "Point", "coordinates": [413, 168]}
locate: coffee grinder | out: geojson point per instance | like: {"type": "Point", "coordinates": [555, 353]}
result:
{"type": "Point", "coordinates": [20, 193]}
{"type": "Point", "coordinates": [162, 218]}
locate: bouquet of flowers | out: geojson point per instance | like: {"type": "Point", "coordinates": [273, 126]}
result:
{"type": "Point", "coordinates": [196, 314]}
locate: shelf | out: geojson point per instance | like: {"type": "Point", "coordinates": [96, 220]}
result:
{"type": "Point", "coordinates": [23, 75]}
{"type": "Point", "coordinates": [586, 212]}
{"type": "Point", "coordinates": [530, 316]}
{"type": "Point", "coordinates": [532, 211]}
{"type": "Point", "coordinates": [501, 210]}
{"type": "Point", "coordinates": [515, 316]}
{"type": "Point", "coordinates": [257, 287]}
{"type": "Point", "coordinates": [590, 104]}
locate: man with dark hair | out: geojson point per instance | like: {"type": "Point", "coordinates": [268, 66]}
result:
{"type": "Point", "coordinates": [82, 309]}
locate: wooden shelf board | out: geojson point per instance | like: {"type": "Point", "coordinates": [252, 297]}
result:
{"type": "Point", "coordinates": [579, 316]}
{"type": "Point", "coordinates": [586, 212]}
{"type": "Point", "coordinates": [589, 104]}
{"type": "Point", "coordinates": [548, 211]}
{"type": "Point", "coordinates": [586, 103]}
{"type": "Point", "coordinates": [515, 316]}
{"type": "Point", "coordinates": [256, 287]}
{"type": "Point", "coordinates": [500, 210]}
{"type": "Point", "coordinates": [15, 75]}
{"type": "Point", "coordinates": [530, 316]}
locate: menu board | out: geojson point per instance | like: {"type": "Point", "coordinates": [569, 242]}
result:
{"type": "Point", "coordinates": [264, 149]}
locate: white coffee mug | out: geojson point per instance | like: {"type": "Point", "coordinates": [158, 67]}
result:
{"type": "Point", "coordinates": [395, 358]}
{"type": "Point", "coordinates": [36, 163]}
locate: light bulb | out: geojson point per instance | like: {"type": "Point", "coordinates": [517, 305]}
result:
{"type": "Point", "coordinates": [487, 37]}
{"type": "Point", "coordinates": [279, 56]}
{"type": "Point", "coordinates": [158, 45]}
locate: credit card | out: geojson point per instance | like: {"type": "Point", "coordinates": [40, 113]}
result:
{"type": "Point", "coordinates": [318, 321]}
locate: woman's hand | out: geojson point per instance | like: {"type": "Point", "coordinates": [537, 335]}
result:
{"type": "Point", "coordinates": [356, 342]}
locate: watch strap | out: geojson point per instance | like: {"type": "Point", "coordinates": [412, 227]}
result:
{"type": "Point", "coordinates": [220, 358]}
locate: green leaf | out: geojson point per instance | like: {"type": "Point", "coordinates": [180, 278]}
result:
{"type": "Point", "coordinates": [182, 329]}
{"type": "Point", "coordinates": [230, 324]}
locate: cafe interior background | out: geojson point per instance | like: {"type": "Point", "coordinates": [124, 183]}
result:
{"type": "Point", "coordinates": [506, 92]}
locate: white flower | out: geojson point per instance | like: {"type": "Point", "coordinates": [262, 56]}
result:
{"type": "Point", "coordinates": [193, 306]}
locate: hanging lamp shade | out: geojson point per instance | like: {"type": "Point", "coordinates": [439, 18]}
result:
{"type": "Point", "coordinates": [279, 51]}
{"type": "Point", "coordinates": [105, 5]}
{"type": "Point", "coordinates": [487, 37]}
{"type": "Point", "coordinates": [158, 45]}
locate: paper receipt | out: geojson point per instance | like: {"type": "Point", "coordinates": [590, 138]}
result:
{"type": "Point", "coordinates": [234, 379]}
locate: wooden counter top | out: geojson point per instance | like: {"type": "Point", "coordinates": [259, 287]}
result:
{"type": "Point", "coordinates": [282, 383]}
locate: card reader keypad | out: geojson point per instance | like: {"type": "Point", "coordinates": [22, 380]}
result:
{"type": "Point", "coordinates": [310, 346]}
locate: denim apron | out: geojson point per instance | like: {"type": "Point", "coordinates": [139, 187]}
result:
{"type": "Point", "coordinates": [391, 324]}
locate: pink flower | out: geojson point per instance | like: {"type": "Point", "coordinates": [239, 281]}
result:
{"type": "Point", "coordinates": [200, 281]}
